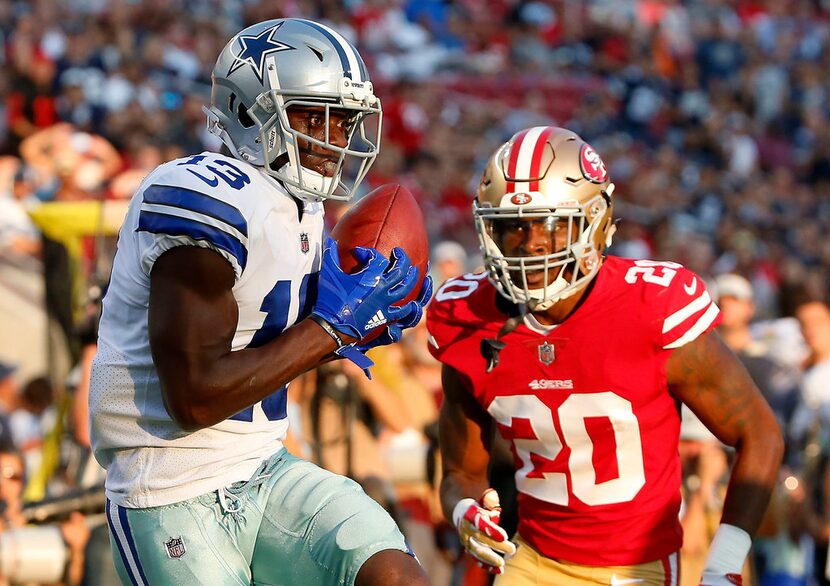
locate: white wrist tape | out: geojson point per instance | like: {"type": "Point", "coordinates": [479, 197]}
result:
{"type": "Point", "coordinates": [728, 551]}
{"type": "Point", "coordinates": [461, 508]}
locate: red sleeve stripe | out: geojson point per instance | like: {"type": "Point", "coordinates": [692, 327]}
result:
{"type": "Point", "coordinates": [700, 326]}
{"type": "Point", "coordinates": [681, 315]}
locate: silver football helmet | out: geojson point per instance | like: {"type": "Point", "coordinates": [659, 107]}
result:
{"type": "Point", "coordinates": [279, 64]}
{"type": "Point", "coordinates": [549, 176]}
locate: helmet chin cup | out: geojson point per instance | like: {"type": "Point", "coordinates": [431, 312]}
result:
{"type": "Point", "coordinates": [306, 184]}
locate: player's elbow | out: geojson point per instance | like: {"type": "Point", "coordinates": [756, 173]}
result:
{"type": "Point", "coordinates": [186, 420]}
{"type": "Point", "coordinates": [776, 442]}
{"type": "Point", "coordinates": [186, 413]}
{"type": "Point", "coordinates": [764, 438]}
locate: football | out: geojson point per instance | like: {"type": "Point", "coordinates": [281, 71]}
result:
{"type": "Point", "coordinates": [385, 218]}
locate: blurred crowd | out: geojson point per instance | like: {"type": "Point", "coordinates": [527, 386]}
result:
{"type": "Point", "coordinates": [711, 114]}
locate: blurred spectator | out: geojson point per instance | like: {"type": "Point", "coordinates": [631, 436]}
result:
{"type": "Point", "coordinates": [8, 395]}
{"type": "Point", "coordinates": [144, 157]}
{"type": "Point", "coordinates": [346, 412]}
{"type": "Point", "coordinates": [12, 480]}
{"type": "Point", "coordinates": [19, 238]}
{"type": "Point", "coordinates": [814, 317]}
{"type": "Point", "coordinates": [449, 259]}
{"type": "Point", "coordinates": [31, 104]}
{"type": "Point", "coordinates": [811, 427]}
{"type": "Point", "coordinates": [8, 388]}
{"type": "Point", "coordinates": [778, 382]}
{"type": "Point", "coordinates": [74, 531]}
{"type": "Point", "coordinates": [74, 164]}
{"type": "Point", "coordinates": [31, 420]}
{"type": "Point", "coordinates": [780, 552]}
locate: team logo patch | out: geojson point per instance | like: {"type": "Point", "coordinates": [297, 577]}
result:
{"type": "Point", "coordinates": [593, 168]}
{"type": "Point", "coordinates": [546, 354]}
{"type": "Point", "coordinates": [304, 246]}
{"type": "Point", "coordinates": [542, 384]}
{"type": "Point", "coordinates": [521, 199]}
{"type": "Point", "coordinates": [175, 548]}
{"type": "Point", "coordinates": [255, 48]}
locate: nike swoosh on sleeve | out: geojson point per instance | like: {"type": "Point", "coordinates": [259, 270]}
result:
{"type": "Point", "coordinates": [691, 287]}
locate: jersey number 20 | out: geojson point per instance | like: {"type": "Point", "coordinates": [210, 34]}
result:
{"type": "Point", "coordinates": [552, 487]}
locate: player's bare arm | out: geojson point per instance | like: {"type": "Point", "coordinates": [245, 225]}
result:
{"type": "Point", "coordinates": [192, 320]}
{"type": "Point", "coordinates": [707, 376]}
{"type": "Point", "coordinates": [465, 431]}
{"type": "Point", "coordinates": [464, 428]}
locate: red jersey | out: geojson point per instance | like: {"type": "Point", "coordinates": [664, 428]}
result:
{"type": "Point", "coordinates": [593, 428]}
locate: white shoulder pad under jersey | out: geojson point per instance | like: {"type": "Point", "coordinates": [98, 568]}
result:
{"type": "Point", "coordinates": [233, 208]}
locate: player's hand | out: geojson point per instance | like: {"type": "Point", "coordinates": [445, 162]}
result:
{"type": "Point", "coordinates": [354, 304]}
{"type": "Point", "coordinates": [478, 527]}
{"type": "Point", "coordinates": [414, 310]}
{"type": "Point", "coordinates": [721, 580]}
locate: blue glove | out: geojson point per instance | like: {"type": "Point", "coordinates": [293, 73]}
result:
{"type": "Point", "coordinates": [354, 304]}
{"type": "Point", "coordinates": [414, 309]}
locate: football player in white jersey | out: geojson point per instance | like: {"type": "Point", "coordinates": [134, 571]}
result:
{"type": "Point", "coordinates": [222, 292]}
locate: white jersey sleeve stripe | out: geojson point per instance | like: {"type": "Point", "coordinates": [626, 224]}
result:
{"type": "Point", "coordinates": [700, 326]}
{"type": "Point", "coordinates": [686, 312]}
{"type": "Point", "coordinates": [195, 201]}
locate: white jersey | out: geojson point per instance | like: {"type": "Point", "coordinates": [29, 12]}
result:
{"type": "Point", "coordinates": [215, 202]}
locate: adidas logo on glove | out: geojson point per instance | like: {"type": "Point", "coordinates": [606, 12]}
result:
{"type": "Point", "coordinates": [377, 320]}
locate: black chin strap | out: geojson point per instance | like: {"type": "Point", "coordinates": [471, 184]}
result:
{"type": "Point", "coordinates": [278, 163]}
{"type": "Point", "coordinates": [491, 347]}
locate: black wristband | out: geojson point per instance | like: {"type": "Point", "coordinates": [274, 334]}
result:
{"type": "Point", "coordinates": [327, 327]}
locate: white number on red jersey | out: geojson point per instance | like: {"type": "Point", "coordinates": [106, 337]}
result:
{"type": "Point", "coordinates": [460, 287]}
{"type": "Point", "coordinates": [552, 487]}
{"type": "Point", "coordinates": [647, 270]}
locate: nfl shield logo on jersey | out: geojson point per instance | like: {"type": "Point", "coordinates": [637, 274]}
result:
{"type": "Point", "coordinates": [546, 355]}
{"type": "Point", "coordinates": [175, 548]}
{"type": "Point", "coordinates": [304, 247]}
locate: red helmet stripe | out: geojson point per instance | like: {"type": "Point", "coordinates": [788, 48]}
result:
{"type": "Point", "coordinates": [538, 151]}
{"type": "Point", "coordinates": [514, 159]}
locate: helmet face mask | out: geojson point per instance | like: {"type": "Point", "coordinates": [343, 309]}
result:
{"type": "Point", "coordinates": [274, 67]}
{"type": "Point", "coordinates": [543, 215]}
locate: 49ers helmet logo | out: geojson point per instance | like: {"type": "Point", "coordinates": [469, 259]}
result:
{"type": "Point", "coordinates": [592, 166]}
{"type": "Point", "coordinates": [521, 199]}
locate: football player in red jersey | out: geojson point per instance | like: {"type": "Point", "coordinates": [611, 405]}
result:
{"type": "Point", "coordinates": [580, 361]}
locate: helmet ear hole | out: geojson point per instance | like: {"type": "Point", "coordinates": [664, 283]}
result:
{"type": "Point", "coordinates": [242, 113]}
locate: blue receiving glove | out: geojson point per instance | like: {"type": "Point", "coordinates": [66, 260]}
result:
{"type": "Point", "coordinates": [358, 303]}
{"type": "Point", "coordinates": [394, 331]}
{"type": "Point", "coordinates": [354, 304]}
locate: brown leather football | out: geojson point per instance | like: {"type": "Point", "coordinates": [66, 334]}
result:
{"type": "Point", "coordinates": [385, 218]}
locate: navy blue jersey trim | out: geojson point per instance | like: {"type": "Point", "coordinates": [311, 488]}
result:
{"type": "Point", "coordinates": [195, 201]}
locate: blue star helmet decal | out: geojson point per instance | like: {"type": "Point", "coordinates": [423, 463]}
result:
{"type": "Point", "coordinates": [255, 48]}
